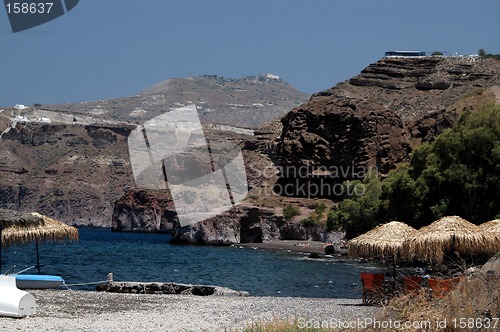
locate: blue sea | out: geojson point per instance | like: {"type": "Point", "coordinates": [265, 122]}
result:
{"type": "Point", "coordinates": [149, 257]}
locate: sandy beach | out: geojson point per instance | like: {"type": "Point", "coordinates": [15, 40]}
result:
{"type": "Point", "coordinates": [64, 310]}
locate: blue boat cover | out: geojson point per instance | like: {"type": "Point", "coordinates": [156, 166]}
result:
{"type": "Point", "coordinates": [38, 277]}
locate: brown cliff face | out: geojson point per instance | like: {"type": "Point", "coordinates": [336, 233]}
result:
{"type": "Point", "coordinates": [71, 172]}
{"type": "Point", "coordinates": [374, 119]}
{"type": "Point", "coordinates": [343, 133]}
{"type": "Point", "coordinates": [326, 141]}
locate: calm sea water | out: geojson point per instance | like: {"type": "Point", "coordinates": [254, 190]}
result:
{"type": "Point", "coordinates": [149, 257]}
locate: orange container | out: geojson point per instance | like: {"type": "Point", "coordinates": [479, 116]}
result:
{"type": "Point", "coordinates": [440, 287]}
{"type": "Point", "coordinates": [412, 283]}
{"type": "Point", "coordinates": [372, 280]}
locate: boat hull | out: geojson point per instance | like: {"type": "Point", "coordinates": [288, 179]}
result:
{"type": "Point", "coordinates": [35, 281]}
{"type": "Point", "coordinates": [13, 301]}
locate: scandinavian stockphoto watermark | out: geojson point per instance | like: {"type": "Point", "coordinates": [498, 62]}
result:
{"type": "Point", "coordinates": [364, 323]}
{"type": "Point", "coordinates": [205, 177]}
{"type": "Point", "coordinates": [311, 180]}
{"type": "Point", "coordinates": [463, 323]}
{"type": "Point", "coordinates": [26, 14]}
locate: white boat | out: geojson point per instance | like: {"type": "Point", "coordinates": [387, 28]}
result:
{"type": "Point", "coordinates": [38, 281]}
{"type": "Point", "coordinates": [13, 301]}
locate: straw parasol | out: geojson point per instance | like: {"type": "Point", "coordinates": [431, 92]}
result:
{"type": "Point", "coordinates": [448, 234]}
{"type": "Point", "coordinates": [383, 241]}
{"type": "Point", "coordinates": [10, 218]}
{"type": "Point", "coordinates": [493, 226]}
{"type": "Point", "coordinates": [48, 230]}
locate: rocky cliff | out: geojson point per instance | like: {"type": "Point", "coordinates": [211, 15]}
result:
{"type": "Point", "coordinates": [71, 161]}
{"type": "Point", "coordinates": [71, 172]}
{"type": "Point", "coordinates": [374, 119]}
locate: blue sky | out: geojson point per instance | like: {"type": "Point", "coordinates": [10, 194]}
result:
{"type": "Point", "coordinates": [112, 48]}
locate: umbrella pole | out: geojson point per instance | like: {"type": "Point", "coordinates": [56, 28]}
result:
{"type": "Point", "coordinates": [37, 257]}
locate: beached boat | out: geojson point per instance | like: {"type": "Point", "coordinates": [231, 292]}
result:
{"type": "Point", "coordinates": [38, 281]}
{"type": "Point", "coordinates": [13, 301]}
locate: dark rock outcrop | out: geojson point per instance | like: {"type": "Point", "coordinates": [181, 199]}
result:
{"type": "Point", "coordinates": [152, 211]}
{"type": "Point", "coordinates": [342, 133]}
{"type": "Point", "coordinates": [429, 126]}
{"type": "Point", "coordinates": [167, 288]}
{"type": "Point", "coordinates": [144, 211]}
{"type": "Point", "coordinates": [246, 224]}
{"type": "Point", "coordinates": [373, 120]}
{"type": "Point", "coordinates": [242, 224]}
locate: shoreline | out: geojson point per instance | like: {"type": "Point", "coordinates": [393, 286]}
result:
{"type": "Point", "coordinates": [296, 246]}
{"type": "Point", "coordinates": [66, 310]}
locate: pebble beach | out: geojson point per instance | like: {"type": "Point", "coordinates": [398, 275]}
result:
{"type": "Point", "coordinates": [67, 310]}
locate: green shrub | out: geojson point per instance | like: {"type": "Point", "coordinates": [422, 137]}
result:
{"type": "Point", "coordinates": [316, 217]}
{"type": "Point", "coordinates": [358, 214]}
{"type": "Point", "coordinates": [290, 211]}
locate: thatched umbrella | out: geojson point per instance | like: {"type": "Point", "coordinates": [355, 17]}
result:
{"type": "Point", "coordinates": [448, 234]}
{"type": "Point", "coordinates": [49, 230]}
{"type": "Point", "coordinates": [10, 218]}
{"type": "Point", "coordinates": [493, 226]}
{"type": "Point", "coordinates": [383, 241]}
